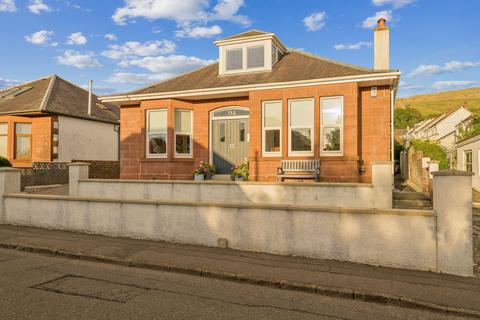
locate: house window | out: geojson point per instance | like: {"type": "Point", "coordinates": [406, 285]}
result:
{"type": "Point", "coordinates": [272, 128]}
{"type": "Point", "coordinates": [3, 139]}
{"type": "Point", "coordinates": [234, 59]}
{"type": "Point", "coordinates": [301, 115]}
{"type": "Point", "coordinates": [23, 140]}
{"type": "Point", "coordinates": [183, 132]}
{"type": "Point", "coordinates": [331, 130]}
{"type": "Point", "coordinates": [468, 161]}
{"type": "Point", "coordinates": [274, 55]}
{"type": "Point", "coordinates": [157, 133]}
{"type": "Point", "coordinates": [256, 57]}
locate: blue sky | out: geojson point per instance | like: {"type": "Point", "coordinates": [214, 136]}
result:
{"type": "Point", "coordinates": [127, 44]}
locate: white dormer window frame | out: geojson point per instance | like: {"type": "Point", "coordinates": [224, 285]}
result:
{"type": "Point", "coordinates": [268, 43]}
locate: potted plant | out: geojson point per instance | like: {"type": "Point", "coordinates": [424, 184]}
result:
{"type": "Point", "coordinates": [240, 173]}
{"type": "Point", "coordinates": [210, 169]}
{"type": "Point", "coordinates": [199, 174]}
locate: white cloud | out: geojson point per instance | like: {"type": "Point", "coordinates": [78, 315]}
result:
{"type": "Point", "coordinates": [394, 3]}
{"type": "Point", "coordinates": [227, 9]}
{"type": "Point", "coordinates": [7, 6]}
{"type": "Point", "coordinates": [111, 37]}
{"type": "Point", "coordinates": [37, 6]}
{"type": "Point", "coordinates": [315, 21]}
{"type": "Point", "coordinates": [371, 22]}
{"type": "Point", "coordinates": [408, 86]}
{"type": "Point", "coordinates": [173, 64]}
{"type": "Point", "coordinates": [134, 49]}
{"type": "Point", "coordinates": [77, 38]}
{"type": "Point", "coordinates": [137, 78]}
{"type": "Point", "coordinates": [354, 46]}
{"type": "Point", "coordinates": [40, 37]}
{"type": "Point", "coordinates": [445, 85]}
{"type": "Point", "coordinates": [78, 60]}
{"type": "Point", "coordinates": [6, 83]}
{"type": "Point", "coordinates": [198, 32]}
{"type": "Point", "coordinates": [182, 12]}
{"type": "Point", "coordinates": [449, 67]}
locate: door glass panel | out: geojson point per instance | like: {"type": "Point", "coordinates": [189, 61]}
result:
{"type": "Point", "coordinates": [242, 131]}
{"type": "Point", "coordinates": [222, 132]}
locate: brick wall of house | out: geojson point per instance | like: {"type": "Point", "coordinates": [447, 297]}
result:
{"type": "Point", "coordinates": [368, 139]}
{"type": "Point", "coordinates": [41, 139]}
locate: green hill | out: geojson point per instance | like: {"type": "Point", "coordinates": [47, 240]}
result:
{"type": "Point", "coordinates": [440, 102]}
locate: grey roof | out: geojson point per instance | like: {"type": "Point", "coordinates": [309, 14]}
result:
{"type": "Point", "coordinates": [54, 95]}
{"type": "Point", "coordinates": [294, 66]}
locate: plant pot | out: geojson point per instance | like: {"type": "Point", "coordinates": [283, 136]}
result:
{"type": "Point", "coordinates": [239, 178]}
{"type": "Point", "coordinates": [208, 176]}
{"type": "Point", "coordinates": [199, 177]}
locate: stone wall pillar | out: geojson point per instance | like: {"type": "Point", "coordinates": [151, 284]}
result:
{"type": "Point", "coordinates": [452, 203]}
{"type": "Point", "coordinates": [76, 171]}
{"type": "Point", "coordinates": [9, 183]}
{"type": "Point", "coordinates": [382, 180]}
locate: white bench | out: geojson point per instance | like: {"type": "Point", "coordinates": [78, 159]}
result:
{"type": "Point", "coordinates": [299, 169]}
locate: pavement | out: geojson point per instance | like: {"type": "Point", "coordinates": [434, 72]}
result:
{"type": "Point", "coordinates": [362, 283]}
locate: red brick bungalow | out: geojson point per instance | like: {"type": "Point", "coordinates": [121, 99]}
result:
{"type": "Point", "coordinates": [263, 103]}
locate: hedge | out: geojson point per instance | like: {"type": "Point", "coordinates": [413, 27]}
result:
{"type": "Point", "coordinates": [433, 151]}
{"type": "Point", "coordinates": [4, 162]}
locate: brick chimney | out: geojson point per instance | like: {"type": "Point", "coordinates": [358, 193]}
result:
{"type": "Point", "coordinates": [382, 46]}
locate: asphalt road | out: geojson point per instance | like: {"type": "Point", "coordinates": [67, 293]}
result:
{"type": "Point", "coordinates": [41, 287]}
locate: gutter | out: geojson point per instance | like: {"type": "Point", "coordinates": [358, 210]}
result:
{"type": "Point", "coordinates": [252, 87]}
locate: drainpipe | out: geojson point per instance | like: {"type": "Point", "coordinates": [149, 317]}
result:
{"type": "Point", "coordinates": [90, 88]}
{"type": "Point", "coordinates": [393, 92]}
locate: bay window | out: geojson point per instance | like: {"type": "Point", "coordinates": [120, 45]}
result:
{"type": "Point", "coordinates": [272, 128]}
{"type": "Point", "coordinates": [157, 133]}
{"type": "Point", "coordinates": [23, 140]}
{"type": "Point", "coordinates": [301, 114]}
{"type": "Point", "coordinates": [3, 139]}
{"type": "Point", "coordinates": [331, 125]}
{"type": "Point", "coordinates": [183, 132]}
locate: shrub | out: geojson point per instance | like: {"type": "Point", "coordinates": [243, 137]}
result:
{"type": "Point", "coordinates": [471, 130]}
{"type": "Point", "coordinates": [4, 162]}
{"type": "Point", "coordinates": [405, 118]}
{"type": "Point", "coordinates": [433, 151]}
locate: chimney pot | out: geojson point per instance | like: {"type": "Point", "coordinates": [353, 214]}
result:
{"type": "Point", "coordinates": [382, 23]}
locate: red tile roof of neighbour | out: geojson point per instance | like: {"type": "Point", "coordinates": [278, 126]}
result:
{"type": "Point", "coordinates": [55, 95]}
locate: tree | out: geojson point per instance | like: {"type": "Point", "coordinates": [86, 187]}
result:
{"type": "Point", "coordinates": [471, 130]}
{"type": "Point", "coordinates": [404, 118]}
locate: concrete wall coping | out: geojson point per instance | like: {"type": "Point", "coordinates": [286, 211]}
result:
{"type": "Point", "coordinates": [9, 169]}
{"type": "Point", "coordinates": [78, 164]}
{"type": "Point", "coordinates": [341, 210]}
{"type": "Point", "coordinates": [381, 162]}
{"type": "Point", "coordinates": [240, 183]}
{"type": "Point", "coordinates": [434, 161]}
{"type": "Point", "coordinates": [452, 172]}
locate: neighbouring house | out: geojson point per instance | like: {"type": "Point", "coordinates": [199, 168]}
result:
{"type": "Point", "coordinates": [51, 119]}
{"type": "Point", "coordinates": [468, 158]}
{"type": "Point", "coordinates": [262, 103]}
{"type": "Point", "coordinates": [443, 128]}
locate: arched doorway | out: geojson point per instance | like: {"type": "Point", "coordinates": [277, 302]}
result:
{"type": "Point", "coordinates": [229, 137]}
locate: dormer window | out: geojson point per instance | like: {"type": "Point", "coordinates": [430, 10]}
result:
{"type": "Point", "coordinates": [256, 57]}
{"type": "Point", "coordinates": [234, 59]}
{"type": "Point", "coordinates": [251, 51]}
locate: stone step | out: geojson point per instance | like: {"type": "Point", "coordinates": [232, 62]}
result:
{"type": "Point", "coordinates": [221, 177]}
{"type": "Point", "coordinates": [412, 208]}
{"type": "Point", "coordinates": [412, 203]}
{"type": "Point", "coordinates": [411, 196]}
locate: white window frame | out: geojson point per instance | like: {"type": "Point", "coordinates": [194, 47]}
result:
{"type": "Point", "coordinates": [290, 127]}
{"type": "Point", "coordinates": [148, 133]}
{"type": "Point", "coordinates": [322, 126]}
{"type": "Point", "coordinates": [465, 160]}
{"type": "Point", "coordinates": [267, 60]}
{"type": "Point", "coordinates": [6, 137]}
{"type": "Point", "coordinates": [175, 132]}
{"type": "Point", "coordinates": [271, 153]}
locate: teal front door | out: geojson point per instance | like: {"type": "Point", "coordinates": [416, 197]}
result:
{"type": "Point", "coordinates": [229, 143]}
